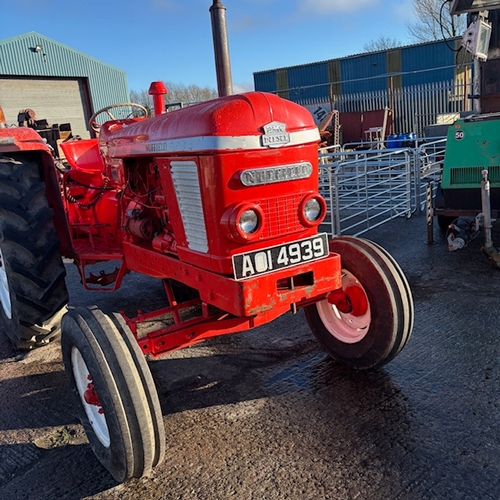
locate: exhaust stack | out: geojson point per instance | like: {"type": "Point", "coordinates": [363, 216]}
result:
{"type": "Point", "coordinates": [221, 49]}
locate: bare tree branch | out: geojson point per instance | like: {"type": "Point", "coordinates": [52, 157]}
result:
{"type": "Point", "coordinates": [434, 21]}
{"type": "Point", "coordinates": [381, 43]}
{"type": "Point", "coordinates": [177, 93]}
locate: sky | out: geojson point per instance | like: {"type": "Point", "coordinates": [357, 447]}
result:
{"type": "Point", "coordinates": [171, 40]}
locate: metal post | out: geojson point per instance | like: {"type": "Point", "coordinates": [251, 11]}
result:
{"type": "Point", "coordinates": [430, 214]}
{"type": "Point", "coordinates": [488, 247]}
{"type": "Point", "coordinates": [477, 86]}
{"type": "Point", "coordinates": [221, 49]}
{"type": "Point", "coordinates": [486, 207]}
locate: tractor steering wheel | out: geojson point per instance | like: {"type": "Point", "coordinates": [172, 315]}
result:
{"type": "Point", "coordinates": [96, 126]}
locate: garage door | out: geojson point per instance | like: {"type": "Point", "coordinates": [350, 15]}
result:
{"type": "Point", "coordinates": [53, 99]}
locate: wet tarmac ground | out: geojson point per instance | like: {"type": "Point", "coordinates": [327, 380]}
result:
{"type": "Point", "coordinates": [266, 415]}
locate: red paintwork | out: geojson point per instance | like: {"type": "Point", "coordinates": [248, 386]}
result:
{"type": "Point", "coordinates": [358, 300]}
{"type": "Point", "coordinates": [352, 300]}
{"type": "Point", "coordinates": [83, 155]}
{"type": "Point", "coordinates": [340, 300]}
{"type": "Point", "coordinates": [23, 139]}
{"type": "Point", "coordinates": [240, 116]}
{"type": "Point", "coordinates": [233, 116]}
{"type": "Point", "coordinates": [161, 197]}
{"type": "Point", "coordinates": [18, 140]}
{"type": "Point", "coordinates": [157, 90]}
{"type": "Point", "coordinates": [241, 298]}
{"type": "Point", "coordinates": [90, 395]}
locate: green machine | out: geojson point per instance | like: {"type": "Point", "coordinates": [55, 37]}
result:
{"type": "Point", "coordinates": [472, 157]}
{"type": "Point", "coordinates": [470, 180]}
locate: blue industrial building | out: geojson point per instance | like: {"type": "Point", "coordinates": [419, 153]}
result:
{"type": "Point", "coordinates": [396, 67]}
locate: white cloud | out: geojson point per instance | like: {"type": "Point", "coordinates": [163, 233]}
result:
{"type": "Point", "coordinates": [332, 6]}
{"type": "Point", "coordinates": [239, 88]}
{"type": "Point", "coordinates": [405, 10]}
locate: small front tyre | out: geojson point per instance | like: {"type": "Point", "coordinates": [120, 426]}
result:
{"type": "Point", "coordinates": [373, 320]}
{"type": "Point", "coordinates": [119, 406]}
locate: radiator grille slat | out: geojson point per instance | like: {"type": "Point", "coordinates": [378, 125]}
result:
{"type": "Point", "coordinates": [187, 189]}
{"type": "Point", "coordinates": [472, 175]}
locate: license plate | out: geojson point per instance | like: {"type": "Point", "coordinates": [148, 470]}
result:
{"type": "Point", "coordinates": [267, 260]}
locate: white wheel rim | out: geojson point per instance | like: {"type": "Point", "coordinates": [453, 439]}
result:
{"type": "Point", "coordinates": [82, 378]}
{"type": "Point", "coordinates": [344, 326]}
{"type": "Point", "coordinates": [4, 288]}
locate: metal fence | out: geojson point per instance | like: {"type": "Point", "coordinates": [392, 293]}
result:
{"type": "Point", "coordinates": [428, 162]}
{"type": "Point", "coordinates": [364, 189]}
{"type": "Point", "coordinates": [413, 108]}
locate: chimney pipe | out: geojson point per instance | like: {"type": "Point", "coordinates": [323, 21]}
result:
{"type": "Point", "coordinates": [221, 49]}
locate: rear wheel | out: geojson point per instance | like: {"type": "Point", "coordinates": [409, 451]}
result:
{"type": "Point", "coordinates": [375, 320]}
{"type": "Point", "coordinates": [32, 288]}
{"type": "Point", "coordinates": [119, 406]}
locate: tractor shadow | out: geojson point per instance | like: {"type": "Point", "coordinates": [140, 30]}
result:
{"type": "Point", "coordinates": [67, 472]}
{"type": "Point", "coordinates": [43, 439]}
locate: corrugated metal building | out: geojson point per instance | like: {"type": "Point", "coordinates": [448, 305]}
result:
{"type": "Point", "coordinates": [399, 67]}
{"type": "Point", "coordinates": [60, 84]}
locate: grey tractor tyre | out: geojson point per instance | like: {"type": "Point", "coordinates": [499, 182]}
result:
{"type": "Point", "coordinates": [124, 422]}
{"type": "Point", "coordinates": [390, 303]}
{"type": "Point", "coordinates": [34, 288]}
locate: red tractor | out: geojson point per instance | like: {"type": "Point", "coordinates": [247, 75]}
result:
{"type": "Point", "coordinates": [220, 202]}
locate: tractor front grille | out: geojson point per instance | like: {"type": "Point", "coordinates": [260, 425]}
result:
{"type": "Point", "coordinates": [282, 215]}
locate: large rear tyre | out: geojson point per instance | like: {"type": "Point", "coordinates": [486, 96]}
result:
{"type": "Point", "coordinates": [377, 319]}
{"type": "Point", "coordinates": [32, 288]}
{"type": "Point", "coordinates": [117, 398]}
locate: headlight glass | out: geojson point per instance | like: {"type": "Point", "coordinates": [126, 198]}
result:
{"type": "Point", "coordinates": [312, 210]}
{"type": "Point", "coordinates": [249, 221]}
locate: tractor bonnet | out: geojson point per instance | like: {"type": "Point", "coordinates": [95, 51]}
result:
{"type": "Point", "coordinates": [254, 120]}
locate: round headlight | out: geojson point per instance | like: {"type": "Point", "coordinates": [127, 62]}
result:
{"type": "Point", "coordinates": [312, 210]}
{"type": "Point", "coordinates": [249, 221]}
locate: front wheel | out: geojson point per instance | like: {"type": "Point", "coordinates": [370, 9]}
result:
{"type": "Point", "coordinates": [374, 320]}
{"type": "Point", "coordinates": [119, 406]}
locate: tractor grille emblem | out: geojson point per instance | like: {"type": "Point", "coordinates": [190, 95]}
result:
{"type": "Point", "coordinates": [275, 135]}
{"type": "Point", "coordinates": [270, 175]}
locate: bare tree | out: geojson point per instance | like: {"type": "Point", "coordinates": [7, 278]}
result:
{"type": "Point", "coordinates": [142, 97]}
{"type": "Point", "coordinates": [381, 43]}
{"type": "Point", "coordinates": [177, 93]}
{"type": "Point", "coordinates": [434, 21]}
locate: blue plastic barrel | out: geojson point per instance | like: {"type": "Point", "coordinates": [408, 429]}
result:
{"type": "Point", "coordinates": [407, 140]}
{"type": "Point", "coordinates": [393, 141]}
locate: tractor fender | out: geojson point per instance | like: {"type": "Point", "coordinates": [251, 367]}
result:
{"type": "Point", "coordinates": [50, 177]}
{"type": "Point", "coordinates": [17, 142]}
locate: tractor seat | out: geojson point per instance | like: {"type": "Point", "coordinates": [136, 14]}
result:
{"type": "Point", "coordinates": [83, 155]}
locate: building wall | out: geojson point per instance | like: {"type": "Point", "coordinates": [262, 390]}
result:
{"type": "Point", "coordinates": [398, 67]}
{"type": "Point", "coordinates": [362, 73]}
{"type": "Point", "coordinates": [101, 83]}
